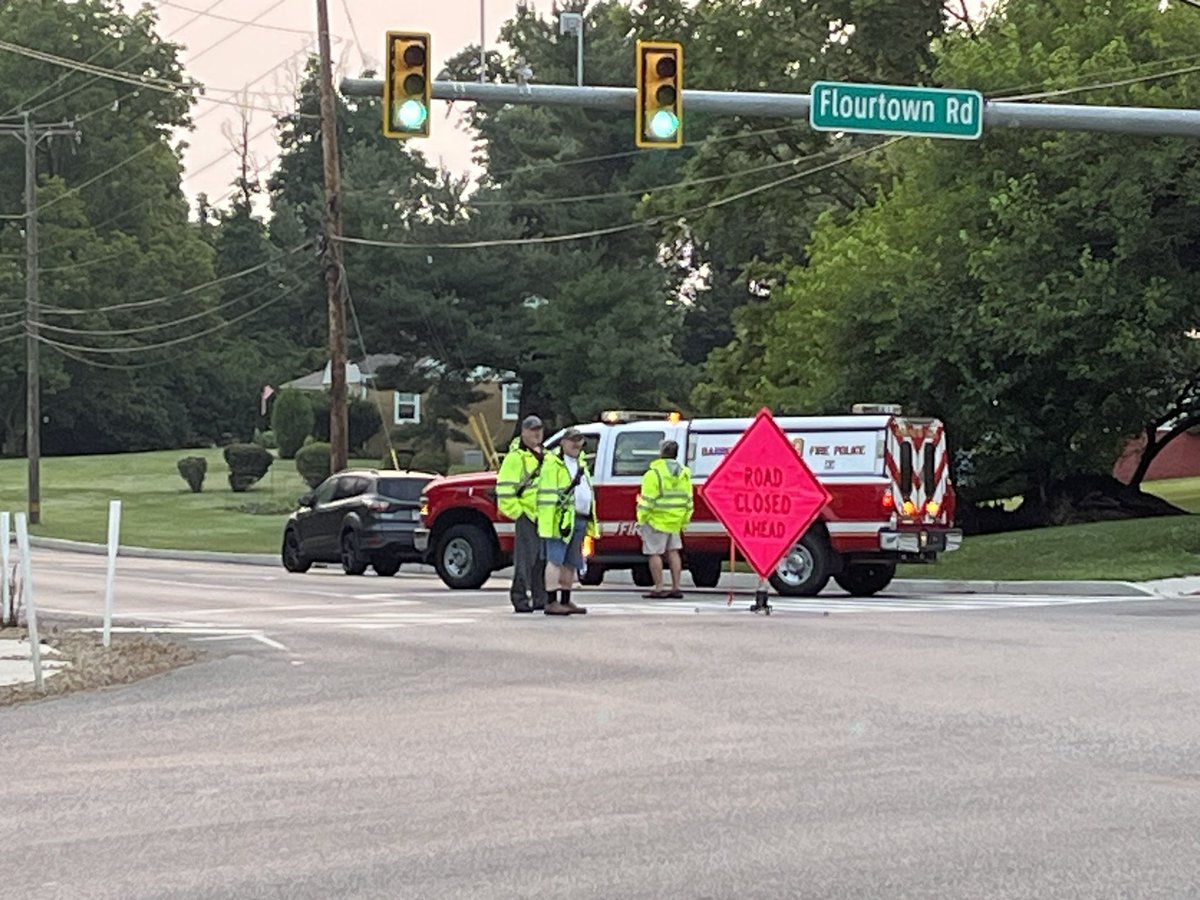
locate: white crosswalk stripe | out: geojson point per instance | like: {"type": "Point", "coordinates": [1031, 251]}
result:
{"type": "Point", "coordinates": [835, 604]}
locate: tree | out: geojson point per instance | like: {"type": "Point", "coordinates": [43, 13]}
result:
{"type": "Point", "coordinates": [292, 421]}
{"type": "Point", "coordinates": [1032, 290]}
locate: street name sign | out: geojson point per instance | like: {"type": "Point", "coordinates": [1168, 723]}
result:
{"type": "Point", "coordinates": [764, 494]}
{"type": "Point", "coordinates": [893, 109]}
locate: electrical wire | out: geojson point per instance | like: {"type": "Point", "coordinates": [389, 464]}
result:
{"type": "Point", "coordinates": [996, 93]}
{"type": "Point", "coordinates": [244, 22]}
{"type": "Point", "coordinates": [92, 59]}
{"type": "Point", "coordinates": [157, 301]}
{"type": "Point", "coordinates": [1126, 82]}
{"type": "Point", "coordinates": [158, 326]}
{"type": "Point", "coordinates": [617, 229]}
{"type": "Point", "coordinates": [634, 192]}
{"type": "Point", "coordinates": [83, 264]}
{"type": "Point", "coordinates": [174, 342]}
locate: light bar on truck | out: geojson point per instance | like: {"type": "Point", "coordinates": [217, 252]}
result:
{"type": "Point", "coordinates": [621, 416]}
{"type": "Point", "coordinates": [877, 409]}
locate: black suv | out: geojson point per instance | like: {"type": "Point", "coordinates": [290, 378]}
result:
{"type": "Point", "coordinates": [358, 517]}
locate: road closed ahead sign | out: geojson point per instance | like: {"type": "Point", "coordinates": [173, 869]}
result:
{"type": "Point", "coordinates": [764, 494]}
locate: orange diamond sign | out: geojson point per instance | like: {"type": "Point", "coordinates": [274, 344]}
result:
{"type": "Point", "coordinates": [764, 494]}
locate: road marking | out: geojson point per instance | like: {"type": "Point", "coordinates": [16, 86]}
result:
{"type": "Point", "coordinates": [200, 633]}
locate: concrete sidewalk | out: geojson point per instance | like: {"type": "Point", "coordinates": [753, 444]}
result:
{"type": "Point", "coordinates": [16, 661]}
{"type": "Point", "coordinates": [1167, 587]}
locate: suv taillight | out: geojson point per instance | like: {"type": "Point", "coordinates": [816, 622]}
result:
{"type": "Point", "coordinates": [379, 506]}
{"type": "Point", "coordinates": [424, 507]}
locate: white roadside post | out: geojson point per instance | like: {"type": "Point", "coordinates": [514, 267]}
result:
{"type": "Point", "coordinates": [114, 537]}
{"type": "Point", "coordinates": [5, 584]}
{"type": "Point", "coordinates": [35, 647]}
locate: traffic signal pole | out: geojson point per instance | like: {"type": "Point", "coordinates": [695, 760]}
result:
{"type": "Point", "coordinates": [1144, 121]}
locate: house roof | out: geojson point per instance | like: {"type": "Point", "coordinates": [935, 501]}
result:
{"type": "Point", "coordinates": [365, 370]}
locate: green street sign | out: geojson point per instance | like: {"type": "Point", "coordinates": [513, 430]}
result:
{"type": "Point", "coordinates": [892, 109]}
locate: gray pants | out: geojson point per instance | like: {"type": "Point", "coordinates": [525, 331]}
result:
{"type": "Point", "coordinates": [529, 567]}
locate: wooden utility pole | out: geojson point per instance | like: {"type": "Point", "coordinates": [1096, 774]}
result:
{"type": "Point", "coordinates": [32, 134]}
{"type": "Point", "coordinates": [335, 275]}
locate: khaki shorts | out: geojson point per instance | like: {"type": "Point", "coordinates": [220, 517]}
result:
{"type": "Point", "coordinates": [656, 543]}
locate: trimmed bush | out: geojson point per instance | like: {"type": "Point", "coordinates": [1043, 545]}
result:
{"type": "Point", "coordinates": [265, 439]}
{"type": "Point", "coordinates": [292, 421]}
{"type": "Point", "coordinates": [362, 420]}
{"type": "Point", "coordinates": [312, 462]}
{"type": "Point", "coordinates": [247, 464]}
{"type": "Point", "coordinates": [193, 470]}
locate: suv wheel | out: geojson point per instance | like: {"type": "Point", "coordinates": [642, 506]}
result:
{"type": "Point", "coordinates": [592, 575]}
{"type": "Point", "coordinates": [464, 557]}
{"type": "Point", "coordinates": [641, 575]}
{"type": "Point", "coordinates": [706, 571]}
{"type": "Point", "coordinates": [293, 560]}
{"type": "Point", "coordinates": [353, 562]}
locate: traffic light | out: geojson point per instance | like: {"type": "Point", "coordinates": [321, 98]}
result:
{"type": "Point", "coordinates": [406, 87]}
{"type": "Point", "coordinates": [660, 94]}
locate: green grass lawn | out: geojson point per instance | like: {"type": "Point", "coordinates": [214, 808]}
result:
{"type": "Point", "coordinates": [158, 510]}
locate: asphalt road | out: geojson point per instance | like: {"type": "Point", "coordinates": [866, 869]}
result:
{"type": "Point", "coordinates": [390, 738]}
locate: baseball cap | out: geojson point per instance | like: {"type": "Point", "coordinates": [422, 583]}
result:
{"type": "Point", "coordinates": [531, 422]}
{"type": "Point", "coordinates": [572, 434]}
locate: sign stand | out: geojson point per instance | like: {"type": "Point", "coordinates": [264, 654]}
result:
{"type": "Point", "coordinates": [761, 604]}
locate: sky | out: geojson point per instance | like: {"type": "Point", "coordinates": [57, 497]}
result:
{"type": "Point", "coordinates": [229, 56]}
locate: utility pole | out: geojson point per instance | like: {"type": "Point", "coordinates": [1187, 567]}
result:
{"type": "Point", "coordinates": [335, 273]}
{"type": "Point", "coordinates": [31, 134]}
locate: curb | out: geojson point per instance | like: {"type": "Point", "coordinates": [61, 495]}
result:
{"type": "Point", "coordinates": [246, 559]}
{"type": "Point", "coordinates": [900, 585]}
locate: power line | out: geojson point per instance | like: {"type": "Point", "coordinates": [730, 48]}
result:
{"type": "Point", "coordinates": [245, 22]}
{"type": "Point", "coordinates": [158, 326]}
{"type": "Point", "coordinates": [156, 301]}
{"type": "Point", "coordinates": [92, 59]}
{"type": "Point", "coordinates": [617, 229]}
{"type": "Point", "coordinates": [83, 264]}
{"type": "Point", "coordinates": [997, 93]}
{"type": "Point", "coordinates": [174, 342]}
{"type": "Point", "coordinates": [1126, 82]}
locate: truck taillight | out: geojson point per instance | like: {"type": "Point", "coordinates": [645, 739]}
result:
{"type": "Point", "coordinates": [889, 502]}
{"type": "Point", "coordinates": [932, 508]}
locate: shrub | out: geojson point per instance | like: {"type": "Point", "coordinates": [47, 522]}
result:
{"type": "Point", "coordinates": [265, 439]}
{"type": "Point", "coordinates": [247, 464]}
{"type": "Point", "coordinates": [362, 420]}
{"type": "Point", "coordinates": [312, 462]}
{"type": "Point", "coordinates": [193, 470]}
{"type": "Point", "coordinates": [292, 421]}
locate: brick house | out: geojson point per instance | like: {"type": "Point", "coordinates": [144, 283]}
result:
{"type": "Point", "coordinates": [499, 406]}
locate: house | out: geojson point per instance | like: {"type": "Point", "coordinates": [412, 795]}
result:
{"type": "Point", "coordinates": [499, 407]}
{"type": "Point", "coordinates": [1179, 459]}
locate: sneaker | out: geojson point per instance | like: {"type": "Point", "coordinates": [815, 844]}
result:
{"type": "Point", "coordinates": [554, 608]}
{"type": "Point", "coordinates": [521, 606]}
{"type": "Point", "coordinates": [574, 609]}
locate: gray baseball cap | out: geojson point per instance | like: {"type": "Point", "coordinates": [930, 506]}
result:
{"type": "Point", "coordinates": [531, 422]}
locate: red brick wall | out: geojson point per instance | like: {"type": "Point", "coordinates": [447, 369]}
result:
{"type": "Point", "coordinates": [1179, 459]}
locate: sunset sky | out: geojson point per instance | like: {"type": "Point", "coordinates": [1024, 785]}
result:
{"type": "Point", "coordinates": [270, 60]}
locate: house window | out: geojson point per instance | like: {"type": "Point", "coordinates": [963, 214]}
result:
{"type": "Point", "coordinates": [510, 399]}
{"type": "Point", "coordinates": [407, 408]}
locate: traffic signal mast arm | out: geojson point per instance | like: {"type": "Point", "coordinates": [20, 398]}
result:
{"type": "Point", "coordinates": [1145, 121]}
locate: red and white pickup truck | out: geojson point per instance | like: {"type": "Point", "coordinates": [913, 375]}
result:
{"type": "Point", "coordinates": [889, 477]}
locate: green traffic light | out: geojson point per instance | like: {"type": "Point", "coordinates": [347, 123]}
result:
{"type": "Point", "coordinates": [664, 124]}
{"type": "Point", "coordinates": [412, 114]}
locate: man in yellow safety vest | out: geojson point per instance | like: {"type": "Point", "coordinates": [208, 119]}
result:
{"type": "Point", "coordinates": [566, 515]}
{"type": "Point", "coordinates": [516, 496]}
{"type": "Point", "coordinates": [664, 509]}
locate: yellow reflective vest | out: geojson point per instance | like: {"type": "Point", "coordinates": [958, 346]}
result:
{"type": "Point", "coordinates": [556, 499]}
{"type": "Point", "coordinates": [665, 502]}
{"type": "Point", "coordinates": [517, 482]}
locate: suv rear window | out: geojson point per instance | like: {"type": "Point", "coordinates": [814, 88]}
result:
{"type": "Point", "coordinates": [402, 488]}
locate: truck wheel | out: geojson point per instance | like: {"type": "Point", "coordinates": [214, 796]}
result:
{"type": "Point", "coordinates": [593, 576]}
{"type": "Point", "coordinates": [353, 562]}
{"type": "Point", "coordinates": [642, 576]}
{"type": "Point", "coordinates": [804, 572]}
{"type": "Point", "coordinates": [706, 571]}
{"type": "Point", "coordinates": [464, 557]}
{"type": "Point", "coordinates": [867, 579]}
